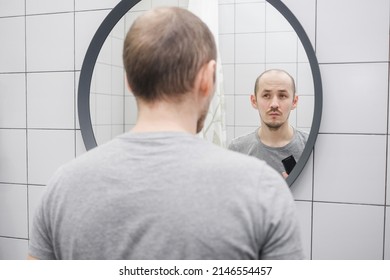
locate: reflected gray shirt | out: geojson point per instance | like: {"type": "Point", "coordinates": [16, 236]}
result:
{"type": "Point", "coordinates": [251, 144]}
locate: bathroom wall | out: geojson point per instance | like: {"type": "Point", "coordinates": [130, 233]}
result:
{"type": "Point", "coordinates": [341, 196]}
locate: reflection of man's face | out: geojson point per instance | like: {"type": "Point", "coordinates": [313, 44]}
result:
{"type": "Point", "coordinates": [274, 99]}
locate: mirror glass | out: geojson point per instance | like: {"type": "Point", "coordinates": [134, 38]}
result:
{"type": "Point", "coordinates": [260, 41]}
{"type": "Point", "coordinates": [251, 37]}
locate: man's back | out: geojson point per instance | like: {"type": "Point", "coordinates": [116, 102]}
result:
{"type": "Point", "coordinates": [165, 195]}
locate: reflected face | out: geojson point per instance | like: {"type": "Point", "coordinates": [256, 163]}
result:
{"type": "Point", "coordinates": [274, 99]}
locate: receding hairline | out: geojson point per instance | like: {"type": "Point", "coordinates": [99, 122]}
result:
{"type": "Point", "coordinates": [280, 71]}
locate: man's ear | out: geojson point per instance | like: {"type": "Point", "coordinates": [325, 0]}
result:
{"type": "Point", "coordinates": [295, 102]}
{"type": "Point", "coordinates": [254, 101]}
{"type": "Point", "coordinates": [207, 77]}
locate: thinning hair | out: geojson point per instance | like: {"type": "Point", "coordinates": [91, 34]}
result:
{"type": "Point", "coordinates": [163, 52]}
{"type": "Point", "coordinates": [275, 70]}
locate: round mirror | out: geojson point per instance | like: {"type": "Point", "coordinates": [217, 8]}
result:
{"type": "Point", "coordinates": [277, 40]}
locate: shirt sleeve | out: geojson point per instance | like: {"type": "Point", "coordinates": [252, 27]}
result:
{"type": "Point", "coordinates": [282, 235]}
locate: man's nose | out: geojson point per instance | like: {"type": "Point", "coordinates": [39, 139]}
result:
{"type": "Point", "coordinates": [274, 103]}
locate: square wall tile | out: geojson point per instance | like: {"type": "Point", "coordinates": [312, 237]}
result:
{"type": "Point", "coordinates": [363, 37]}
{"type": "Point", "coordinates": [117, 109]}
{"type": "Point", "coordinates": [305, 111]}
{"type": "Point", "coordinates": [13, 249]}
{"type": "Point", "coordinates": [87, 23]}
{"type": "Point", "coordinates": [250, 48]}
{"type": "Point", "coordinates": [302, 188]}
{"type": "Point", "coordinates": [350, 168]}
{"type": "Point", "coordinates": [50, 100]}
{"type": "Point", "coordinates": [304, 215]}
{"type": "Point", "coordinates": [226, 48]}
{"type": "Point", "coordinates": [117, 80]}
{"type": "Point", "coordinates": [103, 109]}
{"type": "Point", "coordinates": [93, 4]}
{"type": "Point", "coordinates": [103, 78]}
{"type": "Point", "coordinates": [281, 47]}
{"type": "Point", "coordinates": [13, 101]}
{"type": "Point", "coordinates": [245, 114]}
{"type": "Point", "coordinates": [12, 8]}
{"type": "Point", "coordinates": [228, 78]}
{"type": "Point", "coordinates": [47, 151]}
{"type": "Point", "coordinates": [49, 6]}
{"type": "Point", "coordinates": [304, 80]}
{"type": "Point", "coordinates": [246, 75]}
{"type": "Point", "coordinates": [50, 42]}
{"type": "Point", "coordinates": [347, 232]}
{"type": "Point", "coordinates": [250, 17]}
{"type": "Point", "coordinates": [13, 156]}
{"type": "Point", "coordinates": [13, 211]}
{"type": "Point", "coordinates": [226, 19]}
{"type": "Point", "coordinates": [354, 98]}
{"type": "Point", "coordinates": [12, 50]}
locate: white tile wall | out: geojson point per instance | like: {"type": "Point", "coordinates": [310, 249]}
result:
{"type": "Point", "coordinates": [13, 100]}
{"type": "Point", "coordinates": [355, 102]}
{"type": "Point", "coordinates": [48, 150]}
{"type": "Point", "coordinates": [226, 19]}
{"type": "Point", "coordinates": [12, 8]}
{"type": "Point", "coordinates": [347, 231]}
{"type": "Point", "coordinates": [50, 100]}
{"type": "Point", "coordinates": [228, 78]}
{"type": "Point", "coordinates": [355, 98]}
{"type": "Point", "coordinates": [350, 168]}
{"type": "Point", "coordinates": [93, 4]}
{"type": "Point", "coordinates": [49, 6]}
{"type": "Point", "coordinates": [245, 77]}
{"type": "Point", "coordinates": [12, 50]}
{"type": "Point", "coordinates": [281, 47]}
{"type": "Point", "coordinates": [13, 249]}
{"type": "Point", "coordinates": [250, 48]}
{"type": "Point", "coordinates": [369, 33]}
{"type": "Point", "coordinates": [50, 42]}
{"type": "Point", "coordinates": [13, 211]}
{"type": "Point", "coordinates": [13, 156]}
{"type": "Point", "coordinates": [249, 18]}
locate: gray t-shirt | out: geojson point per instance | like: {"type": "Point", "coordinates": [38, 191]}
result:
{"type": "Point", "coordinates": [165, 195]}
{"type": "Point", "coordinates": [251, 144]}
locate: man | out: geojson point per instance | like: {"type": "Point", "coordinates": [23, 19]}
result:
{"type": "Point", "coordinates": [159, 191]}
{"type": "Point", "coordinates": [275, 140]}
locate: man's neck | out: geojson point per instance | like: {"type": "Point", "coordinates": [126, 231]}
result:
{"type": "Point", "coordinates": [276, 137]}
{"type": "Point", "coordinates": [165, 116]}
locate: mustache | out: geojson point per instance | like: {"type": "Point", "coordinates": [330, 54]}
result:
{"type": "Point", "coordinates": [274, 110]}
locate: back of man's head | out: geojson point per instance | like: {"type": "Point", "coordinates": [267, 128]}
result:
{"type": "Point", "coordinates": [164, 50]}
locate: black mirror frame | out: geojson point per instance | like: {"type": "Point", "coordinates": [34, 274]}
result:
{"type": "Point", "coordinates": [123, 7]}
